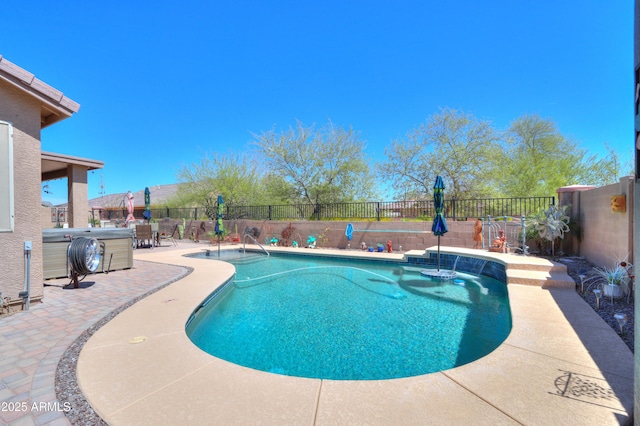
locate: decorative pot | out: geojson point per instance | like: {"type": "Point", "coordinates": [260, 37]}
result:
{"type": "Point", "coordinates": [615, 291]}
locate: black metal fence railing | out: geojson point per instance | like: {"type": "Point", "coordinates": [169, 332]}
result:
{"type": "Point", "coordinates": [484, 207]}
{"type": "Point", "coordinates": [372, 210]}
{"type": "Point", "coordinates": [456, 209]}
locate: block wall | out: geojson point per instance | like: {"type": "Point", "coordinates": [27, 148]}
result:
{"type": "Point", "coordinates": [606, 234]}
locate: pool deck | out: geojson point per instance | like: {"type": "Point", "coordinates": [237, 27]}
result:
{"type": "Point", "coordinates": [561, 364]}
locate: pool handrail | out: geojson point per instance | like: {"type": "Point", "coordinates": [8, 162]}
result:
{"type": "Point", "coordinates": [244, 243]}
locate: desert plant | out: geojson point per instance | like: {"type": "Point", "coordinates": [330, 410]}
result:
{"type": "Point", "coordinates": [620, 274]}
{"type": "Point", "coordinates": [323, 237]}
{"type": "Point", "coordinates": [551, 224]}
{"type": "Point", "coordinates": [216, 237]}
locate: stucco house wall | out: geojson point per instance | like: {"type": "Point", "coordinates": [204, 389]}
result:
{"type": "Point", "coordinates": [607, 235]}
{"type": "Point", "coordinates": [23, 112]}
{"type": "Point", "coordinates": [28, 105]}
{"type": "Point", "coordinates": [45, 218]}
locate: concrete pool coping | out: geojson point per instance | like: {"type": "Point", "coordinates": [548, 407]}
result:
{"type": "Point", "coordinates": [561, 364]}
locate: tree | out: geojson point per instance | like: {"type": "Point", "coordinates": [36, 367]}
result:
{"type": "Point", "coordinates": [407, 166]}
{"type": "Point", "coordinates": [233, 176]}
{"type": "Point", "coordinates": [317, 166]}
{"type": "Point", "coordinates": [603, 171]}
{"type": "Point", "coordinates": [538, 159]}
{"type": "Point", "coordinates": [452, 144]}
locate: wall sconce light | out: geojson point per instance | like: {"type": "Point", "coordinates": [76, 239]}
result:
{"type": "Point", "coordinates": [619, 203]}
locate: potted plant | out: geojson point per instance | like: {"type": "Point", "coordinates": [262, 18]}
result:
{"type": "Point", "coordinates": [618, 279]}
{"type": "Point", "coordinates": [311, 242]}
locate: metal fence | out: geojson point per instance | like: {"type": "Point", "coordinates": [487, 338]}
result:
{"type": "Point", "coordinates": [393, 210]}
{"type": "Point", "coordinates": [373, 210]}
{"type": "Point", "coordinates": [514, 228]}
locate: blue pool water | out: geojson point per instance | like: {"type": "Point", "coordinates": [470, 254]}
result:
{"type": "Point", "coordinates": [339, 319]}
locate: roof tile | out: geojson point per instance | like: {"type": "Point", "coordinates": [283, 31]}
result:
{"type": "Point", "coordinates": [16, 71]}
{"type": "Point", "coordinates": [46, 90]}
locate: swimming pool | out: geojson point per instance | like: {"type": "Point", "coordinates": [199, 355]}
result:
{"type": "Point", "coordinates": [348, 319]}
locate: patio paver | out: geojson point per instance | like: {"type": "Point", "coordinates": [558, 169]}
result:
{"type": "Point", "coordinates": [32, 342]}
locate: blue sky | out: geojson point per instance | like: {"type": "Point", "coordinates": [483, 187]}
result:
{"type": "Point", "coordinates": [161, 84]}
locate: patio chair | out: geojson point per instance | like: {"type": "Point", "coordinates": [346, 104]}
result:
{"type": "Point", "coordinates": [166, 235]}
{"type": "Point", "coordinates": [155, 230]}
{"type": "Point", "coordinates": [144, 236]}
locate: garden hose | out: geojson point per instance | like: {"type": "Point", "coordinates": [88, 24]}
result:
{"type": "Point", "coordinates": [83, 255]}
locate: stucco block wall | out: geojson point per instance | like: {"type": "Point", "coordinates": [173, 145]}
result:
{"type": "Point", "coordinates": [23, 112]}
{"type": "Point", "coordinates": [607, 235]}
{"type": "Point", "coordinates": [409, 235]}
{"type": "Point", "coordinates": [45, 218]}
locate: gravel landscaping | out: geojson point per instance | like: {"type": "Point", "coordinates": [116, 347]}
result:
{"type": "Point", "coordinates": [577, 266]}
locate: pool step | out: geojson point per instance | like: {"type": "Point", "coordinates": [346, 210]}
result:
{"type": "Point", "coordinates": [551, 278]}
{"type": "Point", "coordinates": [536, 271]}
{"type": "Point", "coordinates": [525, 270]}
{"type": "Point", "coordinates": [534, 264]}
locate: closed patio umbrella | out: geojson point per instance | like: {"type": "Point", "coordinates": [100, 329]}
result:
{"type": "Point", "coordinates": [219, 228]}
{"type": "Point", "coordinates": [439, 226]}
{"type": "Point", "coordinates": [147, 204]}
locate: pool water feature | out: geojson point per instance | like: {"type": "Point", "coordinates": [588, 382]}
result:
{"type": "Point", "coordinates": [346, 319]}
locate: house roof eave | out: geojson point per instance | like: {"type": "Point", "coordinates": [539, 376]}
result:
{"type": "Point", "coordinates": [54, 105]}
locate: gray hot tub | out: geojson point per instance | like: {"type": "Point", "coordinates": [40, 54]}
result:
{"type": "Point", "coordinates": [118, 248]}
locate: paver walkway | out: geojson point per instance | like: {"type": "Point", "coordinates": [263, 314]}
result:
{"type": "Point", "coordinates": [32, 342]}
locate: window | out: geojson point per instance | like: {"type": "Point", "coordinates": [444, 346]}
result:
{"type": "Point", "coordinates": [6, 177]}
